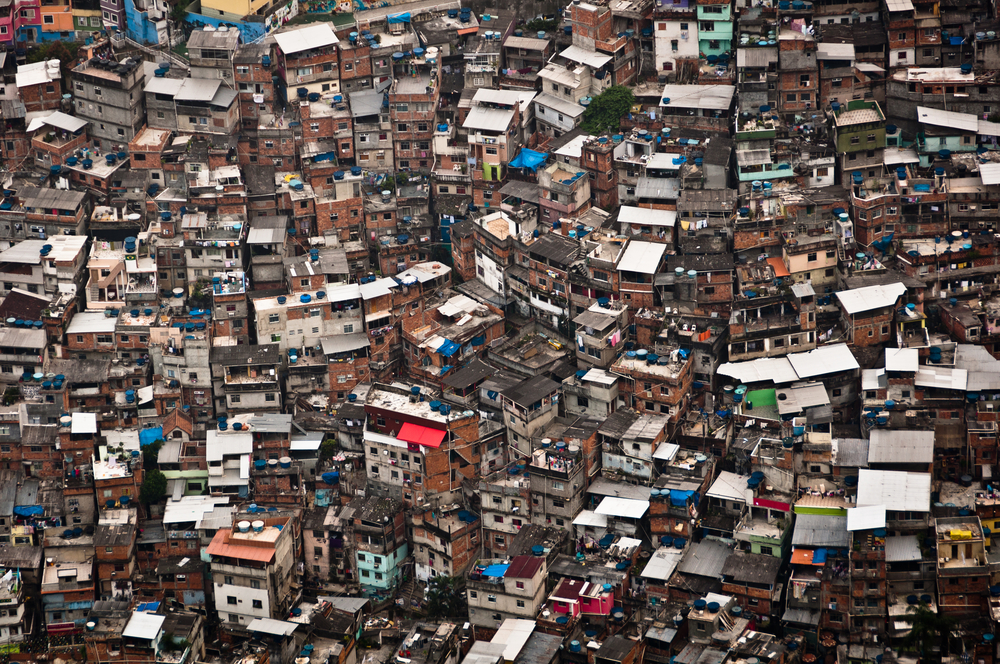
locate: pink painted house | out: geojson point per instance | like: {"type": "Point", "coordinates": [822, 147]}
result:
{"type": "Point", "coordinates": [576, 598]}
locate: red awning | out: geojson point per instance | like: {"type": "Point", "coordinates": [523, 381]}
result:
{"type": "Point", "coordinates": [414, 433]}
{"type": "Point", "coordinates": [772, 504]}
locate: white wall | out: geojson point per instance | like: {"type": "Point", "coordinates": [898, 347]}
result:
{"type": "Point", "coordinates": [666, 31]}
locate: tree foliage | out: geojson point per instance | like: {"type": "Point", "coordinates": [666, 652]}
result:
{"type": "Point", "coordinates": [151, 454]}
{"type": "Point", "coordinates": [928, 629]}
{"type": "Point", "coordinates": [607, 109]}
{"type": "Point", "coordinates": [444, 598]}
{"type": "Point", "coordinates": [154, 487]}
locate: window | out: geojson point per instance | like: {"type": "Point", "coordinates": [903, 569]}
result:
{"type": "Point", "coordinates": [231, 600]}
{"type": "Point", "coordinates": [811, 257]}
{"type": "Point", "coordinates": [258, 604]}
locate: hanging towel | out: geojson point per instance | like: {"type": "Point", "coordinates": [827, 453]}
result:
{"type": "Point", "coordinates": [685, 224]}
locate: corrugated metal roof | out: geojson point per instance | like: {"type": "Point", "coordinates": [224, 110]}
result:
{"type": "Point", "coordinates": [902, 359]}
{"type": "Point", "coordinates": [901, 446]}
{"type": "Point", "coordinates": [895, 156]}
{"type": "Point", "coordinates": [819, 530]}
{"type": "Point", "coordinates": [729, 486]}
{"type": "Point", "coordinates": [527, 43]}
{"type": "Point", "coordinates": [583, 56]}
{"type": "Point", "coordinates": [944, 378]}
{"type": "Point", "coordinates": [823, 360]}
{"type": "Point", "coordinates": [560, 105]}
{"type": "Point", "coordinates": [850, 452]}
{"type": "Point", "coordinates": [826, 51]}
{"type": "Point", "coordinates": [708, 97]}
{"type": "Point", "coordinates": [622, 507]}
{"type": "Point", "coordinates": [366, 103]}
{"type": "Point", "coordinates": [503, 97]}
{"type": "Point", "coordinates": [659, 188]}
{"type": "Point", "coordinates": [756, 57]}
{"type": "Point", "coordinates": [642, 257]}
{"type": "Point", "coordinates": [197, 89]}
{"type": "Point", "coordinates": [899, 5]}
{"type": "Point", "coordinates": [488, 119]}
{"type": "Point", "coordinates": [662, 564]}
{"type": "Point", "coordinates": [870, 298]}
{"type": "Point", "coordinates": [316, 35]}
{"type": "Point", "coordinates": [866, 518]}
{"type": "Point", "coordinates": [705, 558]}
{"type": "Point", "coordinates": [940, 118]}
{"type": "Point", "coordinates": [164, 86]}
{"type": "Point", "coordinates": [219, 445]}
{"type": "Point", "coordinates": [344, 342]}
{"type": "Point", "coordinates": [752, 568]}
{"type": "Point", "coordinates": [629, 214]}
{"type": "Point", "coordinates": [902, 548]}
{"type": "Point", "coordinates": [144, 626]}
{"type": "Point", "coordinates": [989, 173]}
{"type": "Point", "coordinates": [898, 491]}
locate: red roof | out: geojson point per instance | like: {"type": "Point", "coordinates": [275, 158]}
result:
{"type": "Point", "coordinates": [568, 590]}
{"type": "Point", "coordinates": [222, 545]}
{"type": "Point", "coordinates": [426, 436]}
{"type": "Point", "coordinates": [779, 266]}
{"type": "Point", "coordinates": [524, 567]}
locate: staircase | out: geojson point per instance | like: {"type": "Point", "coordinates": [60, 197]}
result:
{"type": "Point", "coordinates": [121, 42]}
{"type": "Point", "coordinates": [410, 590]}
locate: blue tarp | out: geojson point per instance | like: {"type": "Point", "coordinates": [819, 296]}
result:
{"type": "Point", "coordinates": [147, 606]}
{"type": "Point", "coordinates": [448, 348]}
{"type": "Point", "coordinates": [399, 18]}
{"type": "Point", "coordinates": [150, 436]}
{"type": "Point", "coordinates": [496, 571]}
{"type": "Point", "coordinates": [679, 498]}
{"type": "Point", "coordinates": [819, 556]}
{"type": "Point", "coordinates": [492, 394]}
{"type": "Point", "coordinates": [29, 510]}
{"type": "Point", "coordinates": [528, 159]}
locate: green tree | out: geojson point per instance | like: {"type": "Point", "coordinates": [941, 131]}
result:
{"type": "Point", "coordinates": [179, 12]}
{"type": "Point", "coordinates": [607, 109]}
{"type": "Point", "coordinates": [151, 454]}
{"type": "Point", "coordinates": [154, 488]}
{"type": "Point", "coordinates": [444, 598]}
{"type": "Point", "coordinates": [328, 448]}
{"type": "Point", "coordinates": [928, 629]}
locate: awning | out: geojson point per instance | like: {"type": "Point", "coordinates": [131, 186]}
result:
{"type": "Point", "coordinates": [343, 343]}
{"type": "Point", "coordinates": [271, 626]}
{"type": "Point", "coordinates": [426, 436]}
{"type": "Point", "coordinates": [145, 394]}
{"type": "Point", "coordinates": [398, 18]}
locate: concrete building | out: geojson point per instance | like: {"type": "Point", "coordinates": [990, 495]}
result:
{"type": "Point", "coordinates": [253, 566]}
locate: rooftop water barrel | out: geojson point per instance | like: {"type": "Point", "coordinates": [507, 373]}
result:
{"type": "Point", "coordinates": [244, 526]}
{"type": "Point", "coordinates": [285, 462]}
{"type": "Point", "coordinates": [258, 526]}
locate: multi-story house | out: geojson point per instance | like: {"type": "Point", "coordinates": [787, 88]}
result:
{"type": "Point", "coordinates": [228, 452]}
{"type": "Point", "coordinates": [212, 55]}
{"type": "Point", "coordinates": [675, 33]}
{"type": "Point", "coordinates": [413, 100]}
{"type": "Point", "coordinates": [380, 544]}
{"type": "Point", "coordinates": [308, 60]}
{"type": "Point", "coordinates": [859, 136]}
{"type": "Point", "coordinates": [108, 94]}
{"type": "Point", "coordinates": [417, 448]}
{"type": "Point", "coordinates": [498, 590]}
{"type": "Point", "coordinates": [253, 566]}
